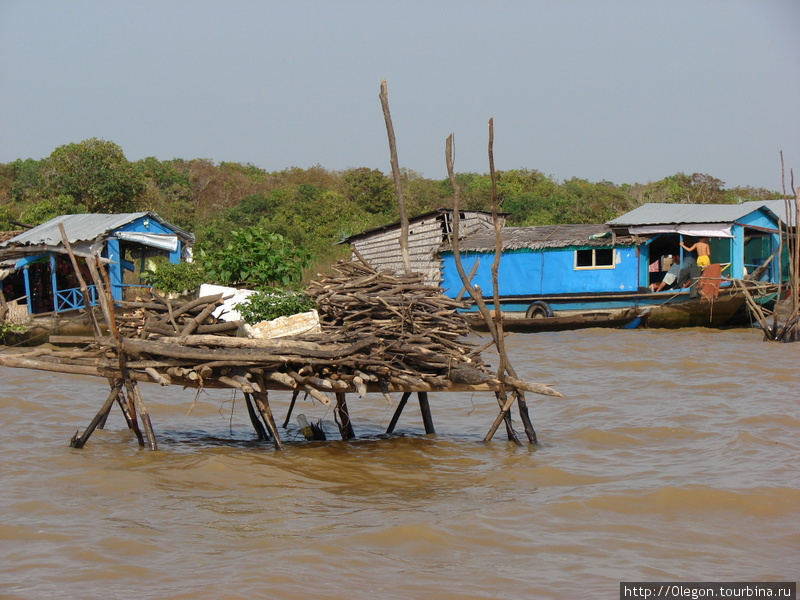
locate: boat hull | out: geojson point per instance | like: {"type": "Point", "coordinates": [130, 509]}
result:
{"type": "Point", "coordinates": [621, 319]}
{"type": "Point", "coordinates": [671, 309]}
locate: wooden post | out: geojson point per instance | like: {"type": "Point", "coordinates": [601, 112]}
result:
{"type": "Point", "coordinates": [474, 292]}
{"type": "Point", "coordinates": [425, 408]}
{"type": "Point", "coordinates": [106, 302]}
{"type": "Point", "coordinates": [123, 406]}
{"type": "Point", "coordinates": [343, 421]}
{"type": "Point", "coordinates": [295, 394]}
{"type": "Point", "coordinates": [396, 417]}
{"type": "Point", "coordinates": [503, 415]}
{"type": "Point", "coordinates": [257, 425]}
{"type": "Point", "coordinates": [398, 183]}
{"type": "Point", "coordinates": [133, 390]}
{"type": "Point", "coordinates": [78, 442]}
{"type": "Point", "coordinates": [81, 282]}
{"type": "Point", "coordinates": [262, 402]}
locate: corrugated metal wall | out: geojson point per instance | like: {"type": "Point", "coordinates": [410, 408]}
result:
{"type": "Point", "coordinates": [382, 249]}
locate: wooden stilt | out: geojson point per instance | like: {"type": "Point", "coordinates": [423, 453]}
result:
{"type": "Point", "coordinates": [501, 401]}
{"type": "Point", "coordinates": [396, 417]}
{"type": "Point", "coordinates": [425, 408]}
{"type": "Point", "coordinates": [134, 421]}
{"type": "Point", "coordinates": [295, 394]}
{"type": "Point", "coordinates": [133, 391]}
{"type": "Point", "coordinates": [262, 402]}
{"type": "Point", "coordinates": [123, 406]}
{"type": "Point", "coordinates": [102, 423]}
{"type": "Point", "coordinates": [526, 419]}
{"type": "Point", "coordinates": [78, 442]}
{"type": "Point", "coordinates": [257, 425]}
{"type": "Point", "coordinates": [343, 420]}
{"type": "Point", "coordinates": [500, 418]}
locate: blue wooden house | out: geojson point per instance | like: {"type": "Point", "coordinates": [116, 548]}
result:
{"type": "Point", "coordinates": [556, 269]}
{"type": "Point", "coordinates": [35, 269]}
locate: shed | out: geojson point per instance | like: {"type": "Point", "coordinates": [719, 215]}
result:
{"type": "Point", "coordinates": [380, 246]}
{"type": "Point", "coordinates": [38, 272]}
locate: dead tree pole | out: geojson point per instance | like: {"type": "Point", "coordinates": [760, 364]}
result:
{"type": "Point", "coordinates": [398, 183]}
{"type": "Point", "coordinates": [473, 291]}
{"type": "Point", "coordinates": [103, 285]}
{"type": "Point", "coordinates": [504, 365]}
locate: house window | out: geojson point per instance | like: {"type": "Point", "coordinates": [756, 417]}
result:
{"type": "Point", "coordinates": [594, 258]}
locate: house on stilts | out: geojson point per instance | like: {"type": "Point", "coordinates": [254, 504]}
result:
{"type": "Point", "coordinates": [37, 275]}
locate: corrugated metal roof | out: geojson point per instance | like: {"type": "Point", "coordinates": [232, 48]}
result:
{"type": "Point", "coordinates": [665, 213]}
{"type": "Point", "coordinates": [82, 228]}
{"type": "Point", "coordinates": [541, 236]}
{"type": "Point", "coordinates": [776, 206]}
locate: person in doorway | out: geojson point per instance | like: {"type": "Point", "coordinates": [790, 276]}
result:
{"type": "Point", "coordinates": [671, 276]}
{"type": "Point", "coordinates": [703, 251]}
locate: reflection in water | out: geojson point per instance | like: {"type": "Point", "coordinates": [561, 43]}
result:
{"type": "Point", "coordinates": [673, 456]}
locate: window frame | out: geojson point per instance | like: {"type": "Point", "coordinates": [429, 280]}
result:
{"type": "Point", "coordinates": [594, 265]}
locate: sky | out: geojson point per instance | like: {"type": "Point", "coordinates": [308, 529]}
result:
{"type": "Point", "coordinates": [627, 91]}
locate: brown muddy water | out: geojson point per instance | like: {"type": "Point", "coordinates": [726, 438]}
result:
{"type": "Point", "coordinates": [674, 456]}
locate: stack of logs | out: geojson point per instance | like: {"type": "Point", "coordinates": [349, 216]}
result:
{"type": "Point", "coordinates": [378, 330]}
{"type": "Point", "coordinates": [164, 317]}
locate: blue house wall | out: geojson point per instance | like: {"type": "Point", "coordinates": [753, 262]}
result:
{"type": "Point", "coordinates": [528, 272]}
{"type": "Point", "coordinates": [112, 251]}
{"type": "Point", "coordinates": [763, 222]}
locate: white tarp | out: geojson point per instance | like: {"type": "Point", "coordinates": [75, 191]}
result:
{"type": "Point", "coordinates": [226, 312]}
{"type": "Point", "coordinates": [716, 230]}
{"type": "Point", "coordinates": [164, 241]}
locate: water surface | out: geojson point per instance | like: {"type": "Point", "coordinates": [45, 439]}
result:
{"type": "Point", "coordinates": [673, 456]}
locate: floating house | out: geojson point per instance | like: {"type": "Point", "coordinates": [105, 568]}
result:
{"type": "Point", "coordinates": [36, 271]}
{"type": "Point", "coordinates": [380, 247]}
{"type": "Point", "coordinates": [558, 269]}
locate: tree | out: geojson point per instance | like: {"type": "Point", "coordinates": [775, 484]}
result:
{"type": "Point", "coordinates": [256, 258]}
{"type": "Point", "coordinates": [95, 173]}
{"type": "Point", "coordinates": [44, 210]}
{"type": "Point", "coordinates": [27, 179]}
{"type": "Point", "coordinates": [167, 191]}
{"type": "Point", "coordinates": [370, 189]}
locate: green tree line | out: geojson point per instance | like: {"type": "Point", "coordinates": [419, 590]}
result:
{"type": "Point", "coordinates": [311, 208]}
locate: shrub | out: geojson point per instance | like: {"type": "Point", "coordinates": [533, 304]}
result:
{"type": "Point", "coordinates": [268, 305]}
{"type": "Point", "coordinates": [174, 278]}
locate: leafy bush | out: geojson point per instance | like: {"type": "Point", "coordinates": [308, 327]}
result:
{"type": "Point", "coordinates": [174, 278]}
{"type": "Point", "coordinates": [256, 258]}
{"type": "Point", "coordinates": [268, 305]}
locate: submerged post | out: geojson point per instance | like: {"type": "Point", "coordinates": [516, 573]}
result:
{"type": "Point", "coordinates": [425, 409]}
{"type": "Point", "coordinates": [396, 417]}
{"type": "Point", "coordinates": [79, 442]}
{"type": "Point", "coordinates": [343, 421]}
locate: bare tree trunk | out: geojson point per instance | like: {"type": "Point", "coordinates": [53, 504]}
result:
{"type": "Point", "coordinates": [473, 291]}
{"type": "Point", "coordinates": [398, 184]}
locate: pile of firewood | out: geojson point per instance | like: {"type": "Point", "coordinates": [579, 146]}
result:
{"type": "Point", "coordinates": [419, 328]}
{"type": "Point", "coordinates": [378, 330]}
{"type": "Point", "coordinates": [164, 317]}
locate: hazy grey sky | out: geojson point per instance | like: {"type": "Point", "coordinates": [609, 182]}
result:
{"type": "Point", "coordinates": [622, 90]}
